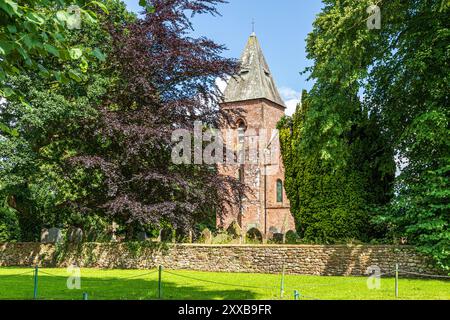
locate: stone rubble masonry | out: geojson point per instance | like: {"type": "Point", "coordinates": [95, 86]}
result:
{"type": "Point", "coordinates": [298, 259]}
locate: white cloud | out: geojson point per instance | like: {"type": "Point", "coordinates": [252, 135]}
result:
{"type": "Point", "coordinates": [221, 84]}
{"type": "Point", "coordinates": [291, 98]}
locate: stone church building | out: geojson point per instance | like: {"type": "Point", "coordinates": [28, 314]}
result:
{"type": "Point", "coordinates": [252, 101]}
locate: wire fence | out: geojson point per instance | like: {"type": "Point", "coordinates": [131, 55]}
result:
{"type": "Point", "coordinates": [222, 283]}
{"type": "Point", "coordinates": [394, 273]}
{"type": "Point", "coordinates": [436, 276]}
{"type": "Point", "coordinates": [17, 274]}
{"type": "Point", "coordinates": [45, 284]}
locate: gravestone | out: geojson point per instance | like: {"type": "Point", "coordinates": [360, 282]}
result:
{"type": "Point", "coordinates": [75, 235]}
{"type": "Point", "coordinates": [52, 235]}
{"type": "Point", "coordinates": [278, 237]}
{"type": "Point", "coordinates": [206, 236]}
{"type": "Point", "coordinates": [183, 236]}
{"type": "Point", "coordinates": [142, 236]}
{"type": "Point", "coordinates": [166, 235]}
{"type": "Point", "coordinates": [158, 239]}
{"type": "Point", "coordinates": [221, 238]}
{"type": "Point", "coordinates": [91, 235]}
{"type": "Point", "coordinates": [291, 237]}
{"type": "Point", "coordinates": [254, 235]}
{"type": "Point", "coordinates": [234, 230]}
{"type": "Point", "coordinates": [44, 235]}
{"type": "Point", "coordinates": [272, 231]}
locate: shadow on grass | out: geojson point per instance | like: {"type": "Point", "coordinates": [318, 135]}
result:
{"type": "Point", "coordinates": [21, 287]}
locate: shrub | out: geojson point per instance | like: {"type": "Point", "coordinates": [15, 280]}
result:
{"type": "Point", "coordinates": [9, 224]}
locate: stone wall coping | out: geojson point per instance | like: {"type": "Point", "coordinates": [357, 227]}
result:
{"type": "Point", "coordinates": [280, 246]}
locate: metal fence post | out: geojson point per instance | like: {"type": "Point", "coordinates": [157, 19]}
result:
{"type": "Point", "coordinates": [282, 283]}
{"type": "Point", "coordinates": [35, 291]}
{"type": "Point", "coordinates": [396, 280]}
{"type": "Point", "coordinates": [159, 282]}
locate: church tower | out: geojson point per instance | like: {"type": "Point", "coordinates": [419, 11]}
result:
{"type": "Point", "coordinates": [254, 106]}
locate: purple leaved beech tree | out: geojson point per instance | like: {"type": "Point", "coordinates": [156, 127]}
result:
{"type": "Point", "coordinates": [165, 81]}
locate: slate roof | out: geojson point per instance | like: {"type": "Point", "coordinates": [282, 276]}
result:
{"type": "Point", "coordinates": [254, 80]}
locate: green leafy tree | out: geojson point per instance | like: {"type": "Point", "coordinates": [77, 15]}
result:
{"type": "Point", "coordinates": [408, 87]}
{"type": "Point", "coordinates": [33, 161]}
{"type": "Point", "coordinates": [401, 71]}
{"type": "Point", "coordinates": [166, 82]}
{"type": "Point", "coordinates": [35, 31]}
{"type": "Point", "coordinates": [333, 202]}
{"type": "Point", "coordinates": [9, 223]}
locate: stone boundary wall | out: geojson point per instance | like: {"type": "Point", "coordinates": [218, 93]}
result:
{"type": "Point", "coordinates": [298, 259]}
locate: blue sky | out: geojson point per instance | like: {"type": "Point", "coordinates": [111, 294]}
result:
{"type": "Point", "coordinates": [281, 27]}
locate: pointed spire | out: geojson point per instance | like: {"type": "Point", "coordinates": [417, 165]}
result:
{"type": "Point", "coordinates": [254, 80]}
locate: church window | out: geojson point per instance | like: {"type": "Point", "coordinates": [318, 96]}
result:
{"type": "Point", "coordinates": [279, 191]}
{"type": "Point", "coordinates": [241, 141]}
{"type": "Point", "coordinates": [241, 174]}
{"type": "Point", "coordinates": [241, 131]}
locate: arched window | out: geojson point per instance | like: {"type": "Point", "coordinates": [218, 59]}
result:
{"type": "Point", "coordinates": [240, 174]}
{"type": "Point", "coordinates": [279, 191]}
{"type": "Point", "coordinates": [241, 131]}
{"type": "Point", "coordinates": [241, 141]}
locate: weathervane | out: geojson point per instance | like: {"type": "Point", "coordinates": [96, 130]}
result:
{"type": "Point", "coordinates": [253, 25]}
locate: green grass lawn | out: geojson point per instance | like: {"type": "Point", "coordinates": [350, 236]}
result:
{"type": "Point", "coordinates": [139, 284]}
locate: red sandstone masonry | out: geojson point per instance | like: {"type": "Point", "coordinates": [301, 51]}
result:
{"type": "Point", "coordinates": [259, 114]}
{"type": "Point", "coordinates": [298, 259]}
